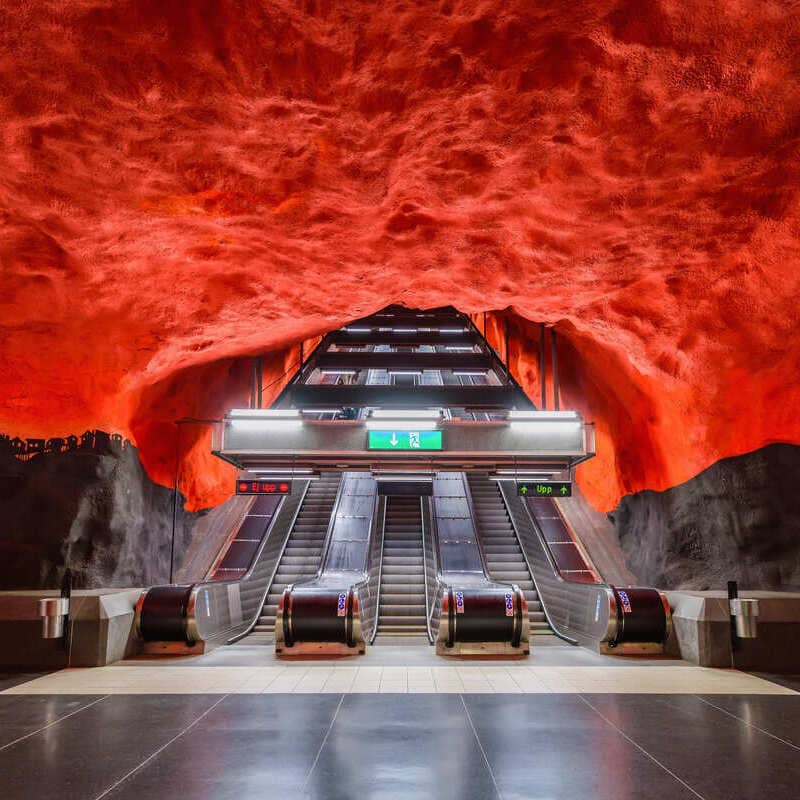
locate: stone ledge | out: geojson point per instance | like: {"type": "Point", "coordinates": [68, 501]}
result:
{"type": "Point", "coordinates": [701, 631]}
{"type": "Point", "coordinates": [102, 632]}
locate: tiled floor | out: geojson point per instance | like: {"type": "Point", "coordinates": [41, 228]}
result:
{"type": "Point", "coordinates": [471, 679]}
{"type": "Point", "coordinates": [346, 746]}
{"type": "Point", "coordinates": [248, 670]}
{"type": "Point", "coordinates": [565, 724]}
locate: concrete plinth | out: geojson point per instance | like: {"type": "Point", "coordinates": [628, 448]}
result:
{"type": "Point", "coordinates": [102, 629]}
{"type": "Point", "coordinates": [701, 631]}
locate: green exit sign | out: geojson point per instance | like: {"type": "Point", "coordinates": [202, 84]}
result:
{"type": "Point", "coordinates": [405, 440]}
{"type": "Point", "coordinates": [544, 489]}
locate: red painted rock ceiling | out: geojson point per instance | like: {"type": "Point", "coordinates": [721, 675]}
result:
{"type": "Point", "coordinates": [182, 184]}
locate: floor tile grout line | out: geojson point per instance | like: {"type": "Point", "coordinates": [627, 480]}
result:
{"type": "Point", "coordinates": [322, 744]}
{"type": "Point", "coordinates": [640, 748]}
{"type": "Point", "coordinates": [745, 722]}
{"type": "Point", "coordinates": [483, 752]}
{"type": "Point", "coordinates": [54, 722]}
{"type": "Point", "coordinates": [159, 750]}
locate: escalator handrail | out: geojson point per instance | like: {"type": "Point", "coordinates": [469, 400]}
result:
{"type": "Point", "coordinates": [548, 555]}
{"type": "Point", "coordinates": [425, 568]}
{"type": "Point", "coordinates": [382, 528]}
{"type": "Point", "coordinates": [437, 573]}
{"type": "Point", "coordinates": [279, 557]}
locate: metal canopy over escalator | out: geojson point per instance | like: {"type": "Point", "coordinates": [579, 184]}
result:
{"type": "Point", "coordinates": [404, 372]}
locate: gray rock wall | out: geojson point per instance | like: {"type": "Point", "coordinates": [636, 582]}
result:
{"type": "Point", "coordinates": [95, 511]}
{"type": "Point", "coordinates": [737, 520]}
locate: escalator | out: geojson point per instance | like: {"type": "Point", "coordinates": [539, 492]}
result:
{"type": "Point", "coordinates": [344, 558]}
{"type": "Point", "coordinates": [473, 614]}
{"type": "Point", "coordinates": [335, 611]}
{"type": "Point", "coordinates": [505, 560]}
{"type": "Point", "coordinates": [301, 556]}
{"type": "Point", "coordinates": [580, 607]}
{"type": "Point", "coordinates": [402, 586]}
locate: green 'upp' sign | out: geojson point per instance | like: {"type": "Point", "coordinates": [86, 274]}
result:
{"type": "Point", "coordinates": [405, 440]}
{"type": "Point", "coordinates": [544, 489]}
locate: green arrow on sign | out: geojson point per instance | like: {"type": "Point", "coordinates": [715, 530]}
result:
{"type": "Point", "coordinates": [404, 440]}
{"type": "Point", "coordinates": [563, 490]}
{"type": "Point", "coordinates": [523, 490]}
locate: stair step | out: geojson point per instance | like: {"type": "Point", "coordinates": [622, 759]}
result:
{"type": "Point", "coordinates": [504, 557]}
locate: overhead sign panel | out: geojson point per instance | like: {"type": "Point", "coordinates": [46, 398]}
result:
{"type": "Point", "coordinates": [258, 486]}
{"type": "Point", "coordinates": [544, 489]}
{"type": "Point", "coordinates": [405, 440]}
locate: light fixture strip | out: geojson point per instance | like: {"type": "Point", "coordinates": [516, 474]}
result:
{"type": "Point", "coordinates": [410, 413]}
{"type": "Point", "coordinates": [263, 413]}
{"type": "Point", "coordinates": [389, 425]}
{"type": "Point", "coordinates": [520, 415]}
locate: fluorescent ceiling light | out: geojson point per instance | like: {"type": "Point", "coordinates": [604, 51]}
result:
{"type": "Point", "coordinates": [452, 330]}
{"type": "Point", "coordinates": [322, 410]}
{"type": "Point", "coordinates": [547, 425]}
{"type": "Point", "coordinates": [254, 425]}
{"type": "Point", "coordinates": [500, 475]}
{"type": "Point", "coordinates": [404, 330]}
{"type": "Point", "coordinates": [338, 371]}
{"type": "Point", "coordinates": [264, 413]}
{"type": "Point", "coordinates": [471, 373]}
{"type": "Point", "coordinates": [525, 473]}
{"type": "Point", "coordinates": [281, 473]}
{"type": "Point", "coordinates": [358, 330]}
{"type": "Point", "coordinates": [541, 415]}
{"type": "Point", "coordinates": [460, 348]}
{"type": "Point", "coordinates": [409, 413]}
{"type": "Point", "coordinates": [389, 425]}
{"type": "Point", "coordinates": [403, 477]}
{"type": "Point", "coordinates": [405, 372]}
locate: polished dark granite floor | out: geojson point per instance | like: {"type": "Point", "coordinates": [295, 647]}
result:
{"type": "Point", "coordinates": [548, 747]}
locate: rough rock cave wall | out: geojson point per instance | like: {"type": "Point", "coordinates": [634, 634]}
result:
{"type": "Point", "coordinates": [94, 511]}
{"type": "Point", "coordinates": [737, 520]}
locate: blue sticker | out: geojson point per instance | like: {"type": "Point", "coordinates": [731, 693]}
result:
{"type": "Point", "coordinates": [459, 602]}
{"type": "Point", "coordinates": [509, 604]}
{"type": "Point", "coordinates": [625, 600]}
{"type": "Point", "coordinates": [341, 606]}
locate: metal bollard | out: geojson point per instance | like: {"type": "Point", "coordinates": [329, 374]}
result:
{"type": "Point", "coordinates": [53, 611]}
{"type": "Point", "coordinates": [745, 612]}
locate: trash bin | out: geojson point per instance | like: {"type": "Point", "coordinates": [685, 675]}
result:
{"type": "Point", "coordinates": [745, 612]}
{"type": "Point", "coordinates": [53, 611]}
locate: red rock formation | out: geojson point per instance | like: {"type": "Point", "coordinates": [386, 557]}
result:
{"type": "Point", "coordinates": [185, 183]}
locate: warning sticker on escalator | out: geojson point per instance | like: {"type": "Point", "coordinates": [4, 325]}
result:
{"type": "Point", "coordinates": [341, 606]}
{"type": "Point", "coordinates": [459, 602]}
{"type": "Point", "coordinates": [509, 604]}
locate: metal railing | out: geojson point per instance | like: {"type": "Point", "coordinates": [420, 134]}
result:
{"type": "Point", "coordinates": [372, 588]}
{"type": "Point", "coordinates": [225, 611]}
{"type": "Point", "coordinates": [429, 566]}
{"type": "Point", "coordinates": [579, 613]}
